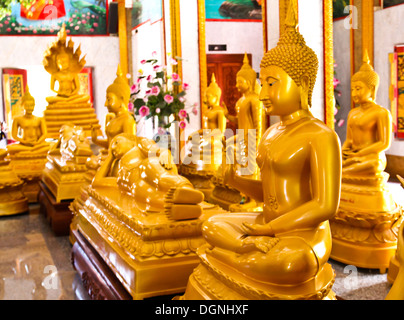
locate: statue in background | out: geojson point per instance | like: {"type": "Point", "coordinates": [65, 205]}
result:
{"type": "Point", "coordinates": [365, 227]}
{"type": "Point", "coordinates": [64, 64]}
{"type": "Point", "coordinates": [206, 145]}
{"type": "Point", "coordinates": [282, 252]}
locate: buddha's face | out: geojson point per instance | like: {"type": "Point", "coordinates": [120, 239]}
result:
{"type": "Point", "coordinates": [242, 84]}
{"type": "Point", "coordinates": [29, 106]}
{"type": "Point", "coordinates": [211, 99]}
{"type": "Point", "coordinates": [62, 61]}
{"type": "Point", "coordinates": [280, 95]}
{"type": "Point", "coordinates": [121, 145]}
{"type": "Point", "coordinates": [113, 103]}
{"type": "Point", "coordinates": [360, 92]}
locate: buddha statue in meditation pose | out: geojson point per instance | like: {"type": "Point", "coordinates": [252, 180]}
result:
{"type": "Point", "coordinates": [119, 119]}
{"type": "Point", "coordinates": [64, 64]}
{"type": "Point", "coordinates": [282, 252]}
{"type": "Point", "coordinates": [366, 224]}
{"type": "Point", "coordinates": [205, 153]}
{"type": "Point", "coordinates": [28, 130]}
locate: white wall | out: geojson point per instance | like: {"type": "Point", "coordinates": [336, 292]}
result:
{"type": "Point", "coordinates": [388, 31]}
{"type": "Point", "coordinates": [102, 53]}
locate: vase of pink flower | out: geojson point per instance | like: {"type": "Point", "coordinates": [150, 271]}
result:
{"type": "Point", "coordinates": [160, 95]}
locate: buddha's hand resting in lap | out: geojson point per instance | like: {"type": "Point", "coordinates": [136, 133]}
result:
{"type": "Point", "coordinates": [258, 229]}
{"type": "Point", "coordinates": [263, 244]}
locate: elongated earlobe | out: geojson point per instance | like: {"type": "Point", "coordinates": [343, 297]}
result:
{"type": "Point", "coordinates": [304, 92]}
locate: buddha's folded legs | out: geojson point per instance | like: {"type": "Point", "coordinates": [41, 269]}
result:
{"type": "Point", "coordinates": [361, 166]}
{"type": "Point", "coordinates": [279, 260]}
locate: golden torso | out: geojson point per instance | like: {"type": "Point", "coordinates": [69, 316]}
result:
{"type": "Point", "coordinates": [66, 82]}
{"type": "Point", "coordinates": [213, 117]}
{"type": "Point", "coordinates": [29, 127]}
{"type": "Point", "coordinates": [120, 124]}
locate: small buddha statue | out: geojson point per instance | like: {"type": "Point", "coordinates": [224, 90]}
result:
{"type": "Point", "coordinates": [64, 64]}
{"type": "Point", "coordinates": [365, 226]}
{"type": "Point", "coordinates": [249, 121]}
{"type": "Point", "coordinates": [12, 199]}
{"type": "Point", "coordinates": [28, 130]}
{"type": "Point", "coordinates": [281, 252]}
{"type": "Point", "coordinates": [119, 119]}
{"type": "Point", "coordinates": [205, 152]}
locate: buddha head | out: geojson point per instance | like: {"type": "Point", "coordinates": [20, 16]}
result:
{"type": "Point", "coordinates": [246, 77]}
{"type": "Point", "coordinates": [288, 72]}
{"type": "Point", "coordinates": [28, 101]}
{"type": "Point", "coordinates": [63, 61]}
{"type": "Point", "coordinates": [213, 93]}
{"type": "Point", "coordinates": [118, 93]}
{"type": "Point", "coordinates": [364, 83]}
{"type": "Point", "coordinates": [122, 143]}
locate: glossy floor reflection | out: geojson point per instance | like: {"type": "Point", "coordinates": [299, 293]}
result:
{"type": "Point", "coordinates": [36, 265]}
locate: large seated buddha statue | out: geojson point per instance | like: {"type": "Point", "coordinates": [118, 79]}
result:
{"type": "Point", "coordinates": [365, 227]}
{"type": "Point", "coordinates": [282, 252]}
{"type": "Point", "coordinates": [142, 217]}
{"type": "Point", "coordinates": [118, 120]}
{"type": "Point", "coordinates": [397, 290]}
{"type": "Point", "coordinates": [28, 153]}
{"type": "Point", "coordinates": [64, 64]}
{"type": "Point", "coordinates": [250, 124]}
{"type": "Point", "coordinates": [205, 153]}
{"type": "Point", "coordinates": [12, 199]}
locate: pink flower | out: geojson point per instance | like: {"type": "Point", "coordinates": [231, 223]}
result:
{"type": "Point", "coordinates": [161, 130]}
{"type": "Point", "coordinates": [182, 114]}
{"type": "Point", "coordinates": [195, 110]}
{"type": "Point", "coordinates": [175, 77]}
{"type": "Point", "coordinates": [134, 88]}
{"type": "Point", "coordinates": [183, 124]}
{"type": "Point", "coordinates": [168, 98]}
{"type": "Point", "coordinates": [335, 110]}
{"type": "Point", "coordinates": [154, 53]}
{"type": "Point", "coordinates": [83, 21]}
{"type": "Point", "coordinates": [130, 106]}
{"type": "Point", "coordinates": [143, 61]}
{"type": "Point", "coordinates": [182, 99]}
{"type": "Point", "coordinates": [157, 67]}
{"type": "Point", "coordinates": [95, 24]}
{"type": "Point", "coordinates": [336, 82]}
{"type": "Point", "coordinates": [149, 78]}
{"type": "Point", "coordinates": [173, 61]}
{"type": "Point", "coordinates": [185, 86]}
{"type": "Point", "coordinates": [341, 123]}
{"type": "Point", "coordinates": [6, 22]}
{"type": "Point", "coordinates": [144, 111]}
{"type": "Point", "coordinates": [158, 110]}
{"type": "Point", "coordinates": [155, 91]}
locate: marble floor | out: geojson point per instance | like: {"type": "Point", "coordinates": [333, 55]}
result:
{"type": "Point", "coordinates": [35, 264]}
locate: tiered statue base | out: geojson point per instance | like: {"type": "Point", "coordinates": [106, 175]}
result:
{"type": "Point", "coordinates": [150, 253]}
{"type": "Point", "coordinates": [214, 280]}
{"type": "Point", "coordinates": [364, 230]}
{"type": "Point", "coordinates": [98, 279]}
{"type": "Point", "coordinates": [12, 199]}
{"type": "Point", "coordinates": [29, 169]}
{"type": "Point", "coordinates": [57, 213]}
{"type": "Point", "coordinates": [64, 179]}
{"type": "Point", "coordinates": [60, 113]}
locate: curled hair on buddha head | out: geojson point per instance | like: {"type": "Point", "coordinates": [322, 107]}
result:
{"type": "Point", "coordinates": [120, 87]}
{"type": "Point", "coordinates": [292, 54]}
{"type": "Point", "coordinates": [247, 72]}
{"type": "Point", "coordinates": [367, 75]}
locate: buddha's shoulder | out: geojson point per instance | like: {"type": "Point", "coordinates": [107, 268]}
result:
{"type": "Point", "coordinates": [317, 129]}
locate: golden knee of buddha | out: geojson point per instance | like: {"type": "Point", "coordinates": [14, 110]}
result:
{"type": "Point", "coordinates": [282, 252]}
{"type": "Point", "coordinates": [366, 224]}
{"type": "Point", "coordinates": [29, 131]}
{"type": "Point", "coordinates": [205, 145]}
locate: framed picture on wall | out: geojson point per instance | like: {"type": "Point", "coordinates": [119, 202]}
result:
{"type": "Point", "coordinates": [45, 17]}
{"type": "Point", "coordinates": [240, 10]}
{"type": "Point", "coordinates": [391, 3]}
{"type": "Point", "coordinates": [340, 9]}
{"type": "Point", "coordinates": [86, 82]}
{"type": "Point", "coordinates": [146, 10]}
{"type": "Point", "coordinates": [14, 82]}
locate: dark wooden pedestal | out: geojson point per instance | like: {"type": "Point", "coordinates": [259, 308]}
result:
{"type": "Point", "coordinates": [98, 279]}
{"type": "Point", "coordinates": [57, 213]}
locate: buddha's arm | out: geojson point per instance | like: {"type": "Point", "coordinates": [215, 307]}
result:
{"type": "Point", "coordinates": [384, 133]}
{"type": "Point", "coordinates": [325, 166]}
{"type": "Point", "coordinates": [129, 125]}
{"type": "Point", "coordinates": [256, 109]}
{"type": "Point", "coordinates": [75, 85]}
{"type": "Point", "coordinates": [14, 132]}
{"type": "Point", "coordinates": [102, 172]}
{"type": "Point", "coordinates": [52, 86]}
{"type": "Point", "coordinates": [221, 121]}
{"type": "Point", "coordinates": [43, 132]}
{"type": "Point", "coordinates": [100, 142]}
{"type": "Point", "coordinates": [250, 187]}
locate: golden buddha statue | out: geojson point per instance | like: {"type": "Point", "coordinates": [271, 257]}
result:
{"type": "Point", "coordinates": [12, 199]}
{"type": "Point", "coordinates": [28, 154]}
{"type": "Point", "coordinates": [142, 217]}
{"type": "Point", "coordinates": [64, 172]}
{"type": "Point", "coordinates": [64, 64]}
{"type": "Point", "coordinates": [282, 252]}
{"type": "Point", "coordinates": [365, 227]}
{"type": "Point", "coordinates": [397, 290]}
{"type": "Point", "coordinates": [205, 153]}
{"type": "Point", "coordinates": [250, 123]}
{"type": "Point", "coordinates": [119, 119]}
